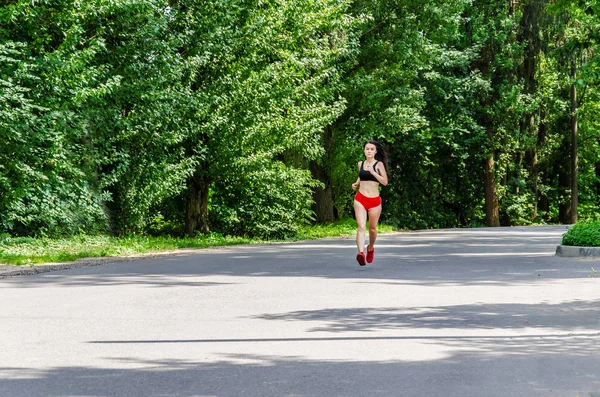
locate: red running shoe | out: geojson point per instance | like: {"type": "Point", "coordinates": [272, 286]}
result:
{"type": "Point", "coordinates": [370, 255]}
{"type": "Point", "coordinates": [361, 259]}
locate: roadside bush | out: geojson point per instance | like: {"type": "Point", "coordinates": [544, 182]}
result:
{"type": "Point", "coordinates": [269, 202]}
{"type": "Point", "coordinates": [584, 234]}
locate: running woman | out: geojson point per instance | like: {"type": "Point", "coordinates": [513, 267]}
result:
{"type": "Point", "coordinates": [371, 173]}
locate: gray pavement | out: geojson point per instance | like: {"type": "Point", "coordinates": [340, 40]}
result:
{"type": "Point", "coordinates": [469, 312]}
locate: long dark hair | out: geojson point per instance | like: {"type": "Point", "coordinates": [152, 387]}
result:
{"type": "Point", "coordinates": [381, 155]}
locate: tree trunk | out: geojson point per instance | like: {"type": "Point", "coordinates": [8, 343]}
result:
{"type": "Point", "coordinates": [564, 182]}
{"type": "Point", "coordinates": [114, 209]}
{"type": "Point", "coordinates": [323, 197]}
{"type": "Point", "coordinates": [564, 207]}
{"type": "Point", "coordinates": [529, 36]}
{"type": "Point", "coordinates": [519, 170]}
{"type": "Point", "coordinates": [196, 218]}
{"type": "Point", "coordinates": [323, 206]}
{"type": "Point", "coordinates": [574, 147]}
{"type": "Point", "coordinates": [538, 170]}
{"type": "Point", "coordinates": [534, 179]}
{"type": "Point", "coordinates": [491, 196]}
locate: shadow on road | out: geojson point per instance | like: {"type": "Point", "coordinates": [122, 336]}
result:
{"type": "Point", "coordinates": [573, 316]}
{"type": "Point", "coordinates": [549, 367]}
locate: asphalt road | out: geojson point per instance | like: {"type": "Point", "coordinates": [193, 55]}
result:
{"type": "Point", "coordinates": [475, 312]}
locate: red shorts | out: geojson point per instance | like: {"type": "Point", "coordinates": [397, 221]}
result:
{"type": "Point", "coordinates": [368, 202]}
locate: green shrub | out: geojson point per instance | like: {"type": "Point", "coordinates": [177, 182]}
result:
{"type": "Point", "coordinates": [584, 234]}
{"type": "Point", "coordinates": [270, 201]}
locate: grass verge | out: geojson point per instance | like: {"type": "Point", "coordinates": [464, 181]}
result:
{"type": "Point", "coordinates": [30, 251]}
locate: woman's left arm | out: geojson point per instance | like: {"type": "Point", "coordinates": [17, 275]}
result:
{"type": "Point", "coordinates": [380, 174]}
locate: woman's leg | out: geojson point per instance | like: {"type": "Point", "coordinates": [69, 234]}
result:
{"type": "Point", "coordinates": [361, 219]}
{"type": "Point", "coordinates": [374, 214]}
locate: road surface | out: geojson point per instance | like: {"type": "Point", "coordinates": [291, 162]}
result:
{"type": "Point", "coordinates": [468, 312]}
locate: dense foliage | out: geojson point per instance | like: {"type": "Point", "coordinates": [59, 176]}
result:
{"type": "Point", "coordinates": [247, 118]}
{"type": "Point", "coordinates": [584, 234]}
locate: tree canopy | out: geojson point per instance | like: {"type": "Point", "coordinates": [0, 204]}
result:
{"type": "Point", "coordinates": [247, 117]}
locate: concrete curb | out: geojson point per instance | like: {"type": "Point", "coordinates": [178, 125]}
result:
{"type": "Point", "coordinates": [573, 251]}
{"type": "Point", "coordinates": [7, 271]}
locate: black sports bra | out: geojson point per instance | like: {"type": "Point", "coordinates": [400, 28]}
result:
{"type": "Point", "coordinates": [365, 175]}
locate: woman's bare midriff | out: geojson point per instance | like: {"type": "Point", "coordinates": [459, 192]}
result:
{"type": "Point", "coordinates": [369, 188]}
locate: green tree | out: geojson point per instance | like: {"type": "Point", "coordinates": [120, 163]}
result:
{"type": "Point", "coordinates": [46, 175]}
{"type": "Point", "coordinates": [264, 81]}
{"type": "Point", "coordinates": [414, 89]}
{"type": "Point", "coordinates": [575, 45]}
